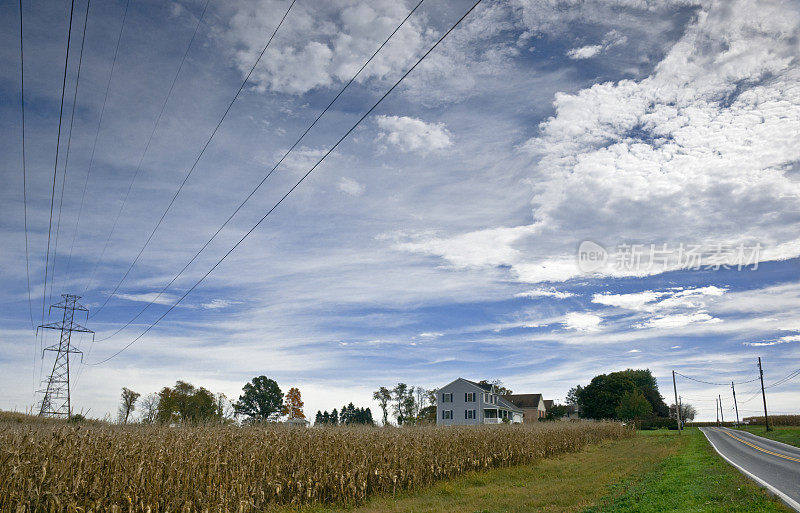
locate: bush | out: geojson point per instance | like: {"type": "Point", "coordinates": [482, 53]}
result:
{"type": "Point", "coordinates": [653, 422]}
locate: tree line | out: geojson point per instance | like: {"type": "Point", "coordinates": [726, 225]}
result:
{"type": "Point", "coordinates": [261, 400]}
{"type": "Point", "coordinates": [350, 415]}
{"type": "Point", "coordinates": [629, 395]}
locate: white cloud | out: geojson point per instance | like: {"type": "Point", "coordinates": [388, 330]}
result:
{"type": "Point", "coordinates": [412, 134]}
{"type": "Point", "coordinates": [350, 186]}
{"type": "Point", "coordinates": [634, 351]}
{"type": "Point", "coordinates": [782, 340]}
{"type": "Point", "coordinates": [154, 297]}
{"type": "Point", "coordinates": [430, 334]}
{"type": "Point", "coordinates": [718, 117]}
{"type": "Point", "coordinates": [678, 320]}
{"type": "Point", "coordinates": [216, 304]}
{"type": "Point", "coordinates": [551, 292]}
{"type": "Point", "coordinates": [322, 44]}
{"type": "Point", "coordinates": [612, 39]}
{"type": "Point", "coordinates": [581, 321]}
{"type": "Point", "coordinates": [584, 52]}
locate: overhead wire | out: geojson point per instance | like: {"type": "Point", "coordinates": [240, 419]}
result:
{"type": "Point", "coordinates": [69, 145]}
{"type": "Point", "coordinates": [715, 384]}
{"type": "Point", "coordinates": [141, 158]}
{"type": "Point", "coordinates": [24, 165]}
{"type": "Point", "coordinates": [264, 179]}
{"type": "Point", "coordinates": [55, 166]}
{"type": "Point", "coordinates": [194, 164]}
{"type": "Point", "coordinates": [100, 117]}
{"type": "Point", "coordinates": [297, 184]}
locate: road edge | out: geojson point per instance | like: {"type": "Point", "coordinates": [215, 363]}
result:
{"type": "Point", "coordinates": [782, 496]}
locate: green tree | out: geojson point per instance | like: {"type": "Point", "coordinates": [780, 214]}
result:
{"type": "Point", "coordinates": [128, 404]}
{"type": "Point", "coordinates": [633, 406]}
{"type": "Point", "coordinates": [186, 404]}
{"type": "Point", "coordinates": [573, 395]}
{"type": "Point", "coordinates": [556, 412]}
{"type": "Point", "coordinates": [600, 398]}
{"type": "Point", "coordinates": [383, 395]}
{"type": "Point", "coordinates": [498, 384]}
{"type": "Point", "coordinates": [261, 400]}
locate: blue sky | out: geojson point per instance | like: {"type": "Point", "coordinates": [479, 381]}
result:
{"type": "Point", "coordinates": [441, 238]}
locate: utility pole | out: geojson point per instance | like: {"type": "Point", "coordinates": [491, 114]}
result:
{"type": "Point", "coordinates": [56, 400]}
{"type": "Point", "coordinates": [677, 406]}
{"type": "Point", "coordinates": [721, 414]}
{"type": "Point", "coordinates": [716, 403]}
{"type": "Point", "coordinates": [735, 405]}
{"type": "Point", "coordinates": [763, 395]}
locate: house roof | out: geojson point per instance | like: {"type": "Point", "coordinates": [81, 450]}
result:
{"type": "Point", "coordinates": [524, 400]}
{"type": "Point", "coordinates": [486, 386]}
{"type": "Point", "coordinates": [507, 404]}
{"type": "Point", "coordinates": [548, 403]}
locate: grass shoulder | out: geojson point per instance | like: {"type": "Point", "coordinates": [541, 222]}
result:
{"type": "Point", "coordinates": [694, 479]}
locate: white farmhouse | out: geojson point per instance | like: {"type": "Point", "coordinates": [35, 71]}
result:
{"type": "Point", "coordinates": [465, 402]}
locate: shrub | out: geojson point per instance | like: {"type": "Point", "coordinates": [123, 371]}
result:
{"type": "Point", "coordinates": [652, 422]}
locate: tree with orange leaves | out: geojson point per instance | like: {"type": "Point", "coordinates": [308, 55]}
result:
{"type": "Point", "coordinates": [293, 404]}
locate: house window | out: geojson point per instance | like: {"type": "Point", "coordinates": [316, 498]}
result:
{"type": "Point", "coordinates": [486, 398]}
{"type": "Point", "coordinates": [447, 398]}
{"type": "Point", "coordinates": [470, 414]}
{"type": "Point", "coordinates": [447, 414]}
{"type": "Point", "coordinates": [469, 397]}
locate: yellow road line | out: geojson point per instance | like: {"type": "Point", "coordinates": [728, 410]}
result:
{"type": "Point", "coordinates": [759, 448]}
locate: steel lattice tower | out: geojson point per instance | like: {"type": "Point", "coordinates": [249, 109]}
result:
{"type": "Point", "coordinates": [56, 400]}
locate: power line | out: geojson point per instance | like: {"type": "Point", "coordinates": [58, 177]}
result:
{"type": "Point", "coordinates": [783, 380]}
{"type": "Point", "coordinates": [199, 156]}
{"type": "Point", "coordinates": [715, 384]}
{"type": "Point", "coordinates": [141, 158]}
{"type": "Point", "coordinates": [297, 184]}
{"type": "Point", "coordinates": [264, 179]}
{"type": "Point", "coordinates": [69, 145]}
{"type": "Point", "coordinates": [55, 166]}
{"type": "Point", "coordinates": [100, 117]}
{"type": "Point", "coordinates": [24, 166]}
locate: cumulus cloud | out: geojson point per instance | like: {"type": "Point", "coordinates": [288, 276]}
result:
{"type": "Point", "coordinates": [322, 43]}
{"type": "Point", "coordinates": [581, 321]}
{"type": "Point", "coordinates": [413, 135]}
{"type": "Point", "coordinates": [717, 118]}
{"type": "Point", "coordinates": [350, 186]}
{"type": "Point", "coordinates": [670, 308]}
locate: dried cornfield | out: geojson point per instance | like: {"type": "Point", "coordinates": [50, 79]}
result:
{"type": "Point", "coordinates": [51, 467]}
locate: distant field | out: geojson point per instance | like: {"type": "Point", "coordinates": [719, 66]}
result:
{"type": "Point", "coordinates": [54, 466]}
{"type": "Point", "coordinates": [786, 434]}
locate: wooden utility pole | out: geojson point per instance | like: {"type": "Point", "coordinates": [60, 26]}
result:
{"type": "Point", "coordinates": [716, 404]}
{"type": "Point", "coordinates": [735, 405]}
{"type": "Point", "coordinates": [677, 406]}
{"type": "Point", "coordinates": [721, 414]}
{"type": "Point", "coordinates": [763, 395]}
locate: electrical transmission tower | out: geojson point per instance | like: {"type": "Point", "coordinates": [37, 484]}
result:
{"type": "Point", "coordinates": [56, 400]}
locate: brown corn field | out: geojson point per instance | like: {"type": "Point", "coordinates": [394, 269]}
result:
{"type": "Point", "coordinates": [54, 467]}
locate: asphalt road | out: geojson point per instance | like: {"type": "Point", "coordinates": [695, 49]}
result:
{"type": "Point", "coordinates": [773, 465]}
